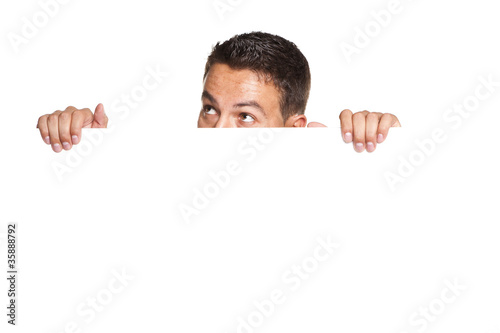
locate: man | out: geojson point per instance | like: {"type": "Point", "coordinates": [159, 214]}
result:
{"type": "Point", "coordinates": [251, 80]}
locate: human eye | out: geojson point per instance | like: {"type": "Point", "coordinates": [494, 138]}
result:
{"type": "Point", "coordinates": [247, 118]}
{"type": "Point", "coordinates": [209, 110]}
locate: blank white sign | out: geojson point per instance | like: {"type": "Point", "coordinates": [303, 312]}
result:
{"type": "Point", "coordinates": [286, 231]}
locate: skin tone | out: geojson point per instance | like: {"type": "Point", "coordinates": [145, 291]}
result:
{"type": "Point", "coordinates": [231, 98]}
{"type": "Point", "coordinates": [240, 98]}
{"type": "Point", "coordinates": [63, 129]}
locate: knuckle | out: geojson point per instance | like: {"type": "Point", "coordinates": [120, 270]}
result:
{"type": "Point", "coordinates": [52, 118]}
{"type": "Point", "coordinates": [83, 112]}
{"type": "Point", "coordinates": [358, 116]}
{"type": "Point", "coordinates": [344, 113]}
{"type": "Point", "coordinates": [70, 108]}
{"type": "Point", "coordinates": [42, 119]}
{"type": "Point", "coordinates": [64, 116]}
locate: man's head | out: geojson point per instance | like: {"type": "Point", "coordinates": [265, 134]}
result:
{"type": "Point", "coordinates": [255, 80]}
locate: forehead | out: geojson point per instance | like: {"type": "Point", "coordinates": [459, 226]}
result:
{"type": "Point", "coordinates": [231, 85]}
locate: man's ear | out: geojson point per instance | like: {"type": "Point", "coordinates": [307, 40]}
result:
{"type": "Point", "coordinates": [298, 120]}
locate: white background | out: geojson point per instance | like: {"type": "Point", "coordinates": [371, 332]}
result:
{"type": "Point", "coordinates": [119, 205]}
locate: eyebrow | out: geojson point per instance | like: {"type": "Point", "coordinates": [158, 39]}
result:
{"type": "Point", "coordinates": [207, 95]}
{"type": "Point", "coordinates": [253, 104]}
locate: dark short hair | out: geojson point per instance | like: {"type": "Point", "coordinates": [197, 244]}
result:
{"type": "Point", "coordinates": [272, 57]}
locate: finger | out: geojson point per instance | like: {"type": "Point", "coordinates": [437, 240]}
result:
{"type": "Point", "coordinates": [346, 125]}
{"type": "Point", "coordinates": [53, 125]}
{"type": "Point", "coordinates": [78, 120]}
{"type": "Point", "coordinates": [372, 120]}
{"type": "Point", "coordinates": [100, 118]}
{"type": "Point", "coordinates": [387, 121]}
{"type": "Point", "coordinates": [64, 126]}
{"type": "Point", "coordinates": [44, 128]}
{"type": "Point", "coordinates": [359, 129]}
{"type": "Point", "coordinates": [315, 124]}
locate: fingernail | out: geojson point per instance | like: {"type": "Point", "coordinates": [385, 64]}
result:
{"type": "Point", "coordinates": [74, 139]}
{"type": "Point", "coordinates": [66, 146]}
{"type": "Point", "coordinates": [380, 138]}
{"type": "Point", "coordinates": [359, 147]}
{"type": "Point", "coordinates": [370, 147]}
{"type": "Point", "coordinates": [348, 137]}
{"type": "Point", "coordinates": [47, 140]}
{"type": "Point", "coordinates": [56, 147]}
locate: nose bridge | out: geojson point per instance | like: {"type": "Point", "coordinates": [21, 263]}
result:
{"type": "Point", "coordinates": [224, 121]}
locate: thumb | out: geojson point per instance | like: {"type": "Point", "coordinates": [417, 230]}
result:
{"type": "Point", "coordinates": [100, 118]}
{"type": "Point", "coordinates": [314, 124]}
